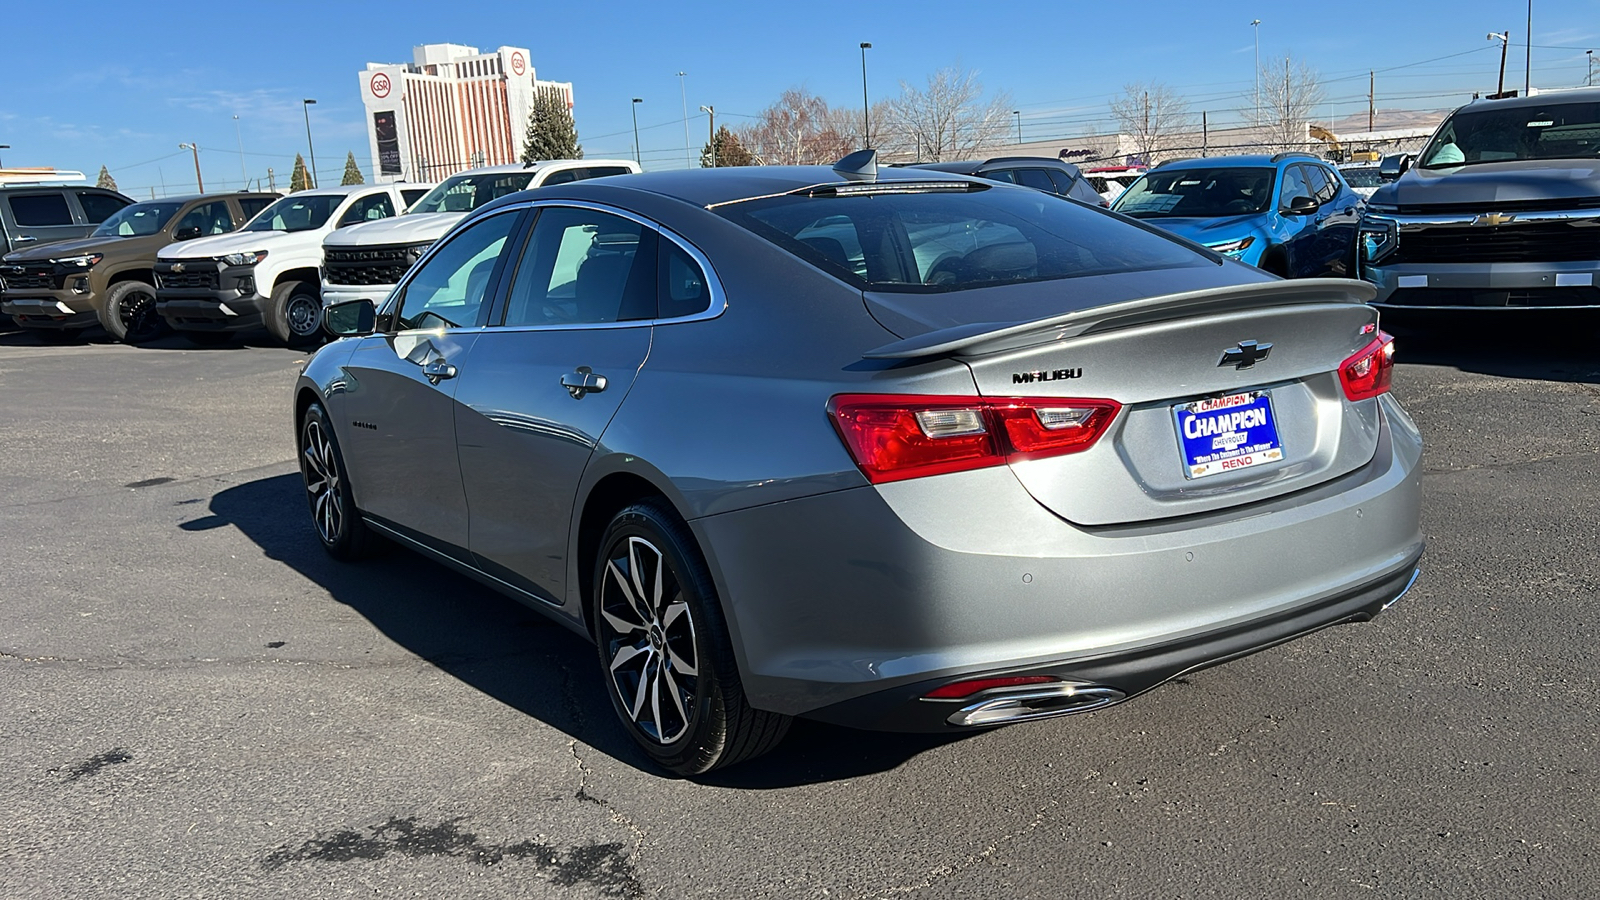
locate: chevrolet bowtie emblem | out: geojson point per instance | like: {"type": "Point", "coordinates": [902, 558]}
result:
{"type": "Point", "coordinates": [1247, 354]}
{"type": "Point", "coordinates": [1494, 218]}
{"type": "Point", "coordinates": [177, 268]}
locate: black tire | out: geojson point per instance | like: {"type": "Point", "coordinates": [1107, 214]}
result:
{"type": "Point", "coordinates": [682, 643]}
{"type": "Point", "coordinates": [334, 516]}
{"type": "Point", "coordinates": [57, 335]}
{"type": "Point", "coordinates": [294, 314]}
{"type": "Point", "coordinates": [129, 313]}
{"type": "Point", "coordinates": [208, 338]}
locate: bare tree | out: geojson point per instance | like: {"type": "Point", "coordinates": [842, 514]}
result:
{"type": "Point", "coordinates": [798, 130]}
{"type": "Point", "coordinates": [949, 119]}
{"type": "Point", "coordinates": [1290, 92]}
{"type": "Point", "coordinates": [1150, 114]}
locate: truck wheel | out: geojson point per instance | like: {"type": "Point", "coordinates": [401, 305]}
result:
{"type": "Point", "coordinates": [294, 313]}
{"type": "Point", "coordinates": [129, 314]}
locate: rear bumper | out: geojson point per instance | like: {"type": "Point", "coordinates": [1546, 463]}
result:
{"type": "Point", "coordinates": [847, 606]}
{"type": "Point", "coordinates": [1493, 286]}
{"type": "Point", "coordinates": [50, 309]}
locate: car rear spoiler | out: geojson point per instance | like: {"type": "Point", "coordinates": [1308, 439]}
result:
{"type": "Point", "coordinates": [990, 337]}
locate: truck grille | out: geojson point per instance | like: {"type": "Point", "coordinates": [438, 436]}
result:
{"type": "Point", "coordinates": [1555, 242]}
{"type": "Point", "coordinates": [370, 265]}
{"type": "Point", "coordinates": [189, 280]}
{"type": "Point", "coordinates": [27, 281]}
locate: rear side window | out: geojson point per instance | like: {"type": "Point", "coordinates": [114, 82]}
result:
{"type": "Point", "coordinates": [682, 285]}
{"type": "Point", "coordinates": [368, 209]}
{"type": "Point", "coordinates": [1036, 179]}
{"type": "Point", "coordinates": [40, 209]}
{"type": "Point", "coordinates": [412, 195]}
{"type": "Point", "coordinates": [943, 240]}
{"type": "Point", "coordinates": [1063, 182]}
{"type": "Point", "coordinates": [253, 205]}
{"type": "Point", "coordinates": [99, 207]}
{"type": "Point", "coordinates": [584, 267]}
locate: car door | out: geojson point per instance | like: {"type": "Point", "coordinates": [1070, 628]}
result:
{"type": "Point", "coordinates": [1300, 239]}
{"type": "Point", "coordinates": [41, 217]}
{"type": "Point", "coordinates": [545, 382]}
{"type": "Point", "coordinates": [1341, 210]}
{"type": "Point", "coordinates": [397, 399]}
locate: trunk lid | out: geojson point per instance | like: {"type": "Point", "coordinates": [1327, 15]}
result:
{"type": "Point", "coordinates": [1154, 354]}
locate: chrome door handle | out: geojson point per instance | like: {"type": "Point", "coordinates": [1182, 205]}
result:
{"type": "Point", "coordinates": [583, 382]}
{"type": "Point", "coordinates": [436, 370]}
{"type": "Point", "coordinates": [23, 239]}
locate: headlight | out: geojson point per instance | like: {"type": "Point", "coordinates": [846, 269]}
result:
{"type": "Point", "coordinates": [243, 259]}
{"type": "Point", "coordinates": [1233, 248]}
{"type": "Point", "coordinates": [1377, 238]}
{"type": "Point", "coordinates": [79, 262]}
{"type": "Point", "coordinates": [415, 251]}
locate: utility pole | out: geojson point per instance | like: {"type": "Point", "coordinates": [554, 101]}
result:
{"type": "Point", "coordinates": [866, 111]}
{"type": "Point", "coordinates": [1205, 135]}
{"type": "Point", "coordinates": [1527, 71]}
{"type": "Point", "coordinates": [1504, 38]}
{"type": "Point", "coordinates": [272, 183]}
{"type": "Point", "coordinates": [684, 93]}
{"type": "Point", "coordinates": [195, 149]}
{"type": "Point", "coordinates": [1146, 136]}
{"type": "Point", "coordinates": [1018, 114]}
{"type": "Point", "coordinates": [1256, 24]}
{"type": "Point", "coordinates": [711, 132]}
{"type": "Point", "coordinates": [1372, 93]}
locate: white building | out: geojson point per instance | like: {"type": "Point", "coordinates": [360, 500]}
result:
{"type": "Point", "coordinates": [452, 108]}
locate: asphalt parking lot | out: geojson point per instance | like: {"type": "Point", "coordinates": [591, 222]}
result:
{"type": "Point", "coordinates": [199, 703]}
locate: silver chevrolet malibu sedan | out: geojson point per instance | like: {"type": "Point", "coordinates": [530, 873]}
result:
{"type": "Point", "coordinates": [892, 448]}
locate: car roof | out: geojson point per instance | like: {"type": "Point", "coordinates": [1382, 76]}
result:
{"type": "Point", "coordinates": [974, 166]}
{"type": "Point", "coordinates": [351, 188]}
{"type": "Point", "coordinates": [1243, 159]}
{"type": "Point", "coordinates": [710, 187]}
{"type": "Point", "coordinates": [1548, 98]}
{"type": "Point", "coordinates": [542, 165]}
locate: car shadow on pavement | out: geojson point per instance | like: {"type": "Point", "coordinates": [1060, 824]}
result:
{"type": "Point", "coordinates": [1542, 345]}
{"type": "Point", "coordinates": [514, 654]}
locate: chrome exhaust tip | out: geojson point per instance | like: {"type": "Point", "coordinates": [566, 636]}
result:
{"type": "Point", "coordinates": [1002, 706]}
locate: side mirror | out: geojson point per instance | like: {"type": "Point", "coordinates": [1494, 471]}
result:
{"type": "Point", "coordinates": [1302, 206]}
{"type": "Point", "coordinates": [1394, 166]}
{"type": "Point", "coordinates": [351, 318]}
{"type": "Point", "coordinates": [186, 234]}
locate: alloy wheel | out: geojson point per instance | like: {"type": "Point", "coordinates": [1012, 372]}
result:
{"type": "Point", "coordinates": [319, 463]}
{"type": "Point", "coordinates": [648, 635]}
{"type": "Point", "coordinates": [137, 310]}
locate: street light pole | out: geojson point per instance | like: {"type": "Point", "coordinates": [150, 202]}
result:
{"type": "Point", "coordinates": [305, 106]}
{"type": "Point", "coordinates": [1256, 25]}
{"type": "Point", "coordinates": [635, 108]}
{"type": "Point", "coordinates": [1588, 77]}
{"type": "Point", "coordinates": [1527, 71]}
{"type": "Point", "coordinates": [244, 177]}
{"type": "Point", "coordinates": [687, 161]}
{"type": "Point", "coordinates": [195, 149]}
{"type": "Point", "coordinates": [711, 132]}
{"type": "Point", "coordinates": [4, 147]}
{"type": "Point", "coordinates": [1018, 114]}
{"type": "Point", "coordinates": [866, 111]}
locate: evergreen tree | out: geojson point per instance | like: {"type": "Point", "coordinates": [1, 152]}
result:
{"type": "Point", "coordinates": [300, 179]}
{"type": "Point", "coordinates": [551, 132]}
{"type": "Point", "coordinates": [352, 172]}
{"type": "Point", "coordinates": [105, 180]}
{"type": "Point", "coordinates": [730, 151]}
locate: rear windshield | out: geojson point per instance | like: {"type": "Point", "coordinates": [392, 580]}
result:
{"type": "Point", "coordinates": [294, 213]}
{"type": "Point", "coordinates": [1364, 177]}
{"type": "Point", "coordinates": [139, 220]}
{"type": "Point", "coordinates": [1557, 131]}
{"type": "Point", "coordinates": [465, 193]}
{"type": "Point", "coordinates": [946, 240]}
{"type": "Point", "coordinates": [1203, 193]}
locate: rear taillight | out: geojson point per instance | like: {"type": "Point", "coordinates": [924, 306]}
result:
{"type": "Point", "coordinates": [961, 689]}
{"type": "Point", "coordinates": [1368, 373]}
{"type": "Point", "coordinates": [898, 436]}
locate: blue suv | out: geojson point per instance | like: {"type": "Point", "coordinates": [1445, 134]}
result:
{"type": "Point", "coordinates": [1290, 214]}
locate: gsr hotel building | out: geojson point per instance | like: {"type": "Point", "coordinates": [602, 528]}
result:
{"type": "Point", "coordinates": [451, 108]}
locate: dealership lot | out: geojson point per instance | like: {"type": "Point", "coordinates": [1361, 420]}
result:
{"type": "Point", "coordinates": [201, 703]}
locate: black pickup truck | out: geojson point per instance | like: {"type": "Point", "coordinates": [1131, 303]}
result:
{"type": "Point", "coordinates": [1501, 210]}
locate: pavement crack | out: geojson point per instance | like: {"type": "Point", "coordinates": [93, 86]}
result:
{"type": "Point", "coordinates": [617, 816]}
{"type": "Point", "coordinates": [946, 872]}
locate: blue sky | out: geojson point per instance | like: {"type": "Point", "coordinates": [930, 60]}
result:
{"type": "Point", "coordinates": [142, 77]}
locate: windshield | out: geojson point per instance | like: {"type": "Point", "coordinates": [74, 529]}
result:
{"type": "Point", "coordinates": [1557, 131]}
{"type": "Point", "coordinates": [139, 220]}
{"type": "Point", "coordinates": [1362, 177]}
{"type": "Point", "coordinates": [1200, 193]}
{"type": "Point", "coordinates": [946, 240]}
{"type": "Point", "coordinates": [465, 193]}
{"type": "Point", "coordinates": [294, 213]}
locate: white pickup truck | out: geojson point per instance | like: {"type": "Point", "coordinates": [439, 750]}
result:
{"type": "Point", "coordinates": [366, 261]}
{"type": "Point", "coordinates": [268, 272]}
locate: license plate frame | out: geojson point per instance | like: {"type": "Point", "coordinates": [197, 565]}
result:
{"type": "Point", "coordinates": [1226, 434]}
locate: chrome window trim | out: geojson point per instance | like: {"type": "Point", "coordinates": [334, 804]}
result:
{"type": "Point", "coordinates": [1583, 218]}
{"type": "Point", "coordinates": [719, 297]}
{"type": "Point", "coordinates": [390, 303]}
